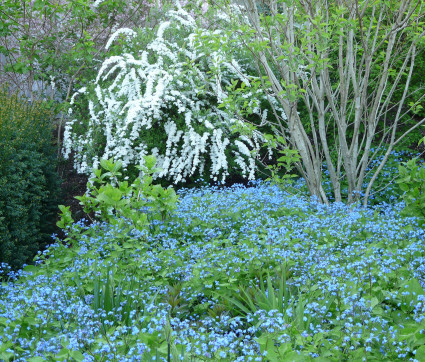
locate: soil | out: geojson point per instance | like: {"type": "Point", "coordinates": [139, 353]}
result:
{"type": "Point", "coordinates": [73, 184]}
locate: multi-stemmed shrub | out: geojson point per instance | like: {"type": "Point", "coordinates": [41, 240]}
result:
{"type": "Point", "coordinates": [162, 97]}
{"type": "Point", "coordinates": [344, 95]}
{"type": "Point", "coordinates": [385, 189]}
{"type": "Point", "coordinates": [29, 185]}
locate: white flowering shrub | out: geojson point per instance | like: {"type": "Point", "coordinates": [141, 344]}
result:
{"type": "Point", "coordinates": [162, 97]}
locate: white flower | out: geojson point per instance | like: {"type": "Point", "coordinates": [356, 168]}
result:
{"type": "Point", "coordinates": [154, 89]}
{"type": "Point", "coordinates": [126, 31]}
{"type": "Point", "coordinates": [97, 3]}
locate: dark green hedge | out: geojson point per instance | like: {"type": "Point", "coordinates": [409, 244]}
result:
{"type": "Point", "coordinates": [29, 184]}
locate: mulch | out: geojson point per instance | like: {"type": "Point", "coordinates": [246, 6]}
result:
{"type": "Point", "coordinates": [73, 184]}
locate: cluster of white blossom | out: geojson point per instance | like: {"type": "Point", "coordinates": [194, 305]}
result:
{"type": "Point", "coordinates": [163, 88]}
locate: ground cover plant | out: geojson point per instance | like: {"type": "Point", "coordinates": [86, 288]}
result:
{"type": "Point", "coordinates": [233, 274]}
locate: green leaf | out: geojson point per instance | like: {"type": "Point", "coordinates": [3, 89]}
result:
{"type": "Point", "coordinates": [374, 301]}
{"type": "Point", "coordinates": [6, 356]}
{"type": "Point", "coordinates": [31, 268]}
{"type": "Point", "coordinates": [414, 288]}
{"type": "Point", "coordinates": [150, 161]}
{"type": "Point", "coordinates": [77, 355]}
{"type": "Point", "coordinates": [108, 165]}
{"type": "Point", "coordinates": [420, 353]}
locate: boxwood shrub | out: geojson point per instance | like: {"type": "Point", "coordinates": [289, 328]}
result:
{"type": "Point", "coordinates": [29, 183]}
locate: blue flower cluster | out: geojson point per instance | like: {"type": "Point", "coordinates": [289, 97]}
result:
{"type": "Point", "coordinates": [246, 273]}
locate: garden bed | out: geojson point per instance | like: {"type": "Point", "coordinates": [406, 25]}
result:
{"type": "Point", "coordinates": [237, 274]}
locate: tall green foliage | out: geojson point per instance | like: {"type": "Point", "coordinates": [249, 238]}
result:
{"type": "Point", "coordinates": [29, 185]}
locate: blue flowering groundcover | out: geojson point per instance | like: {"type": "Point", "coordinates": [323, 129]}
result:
{"type": "Point", "coordinates": [236, 274]}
